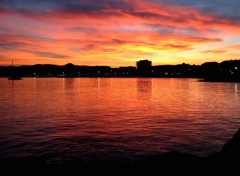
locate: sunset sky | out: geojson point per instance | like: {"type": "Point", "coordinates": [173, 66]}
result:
{"type": "Point", "coordinates": [118, 32]}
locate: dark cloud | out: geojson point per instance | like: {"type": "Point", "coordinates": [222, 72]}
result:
{"type": "Point", "coordinates": [146, 15]}
{"type": "Point", "coordinates": [82, 29]}
{"type": "Point", "coordinates": [202, 39]}
{"type": "Point", "coordinates": [95, 5]}
{"type": "Point", "coordinates": [217, 51]}
{"type": "Point", "coordinates": [50, 55]}
{"type": "Point", "coordinates": [81, 8]}
{"type": "Point", "coordinates": [176, 46]}
{"type": "Point", "coordinates": [4, 10]}
{"type": "Point", "coordinates": [16, 40]}
{"type": "Point", "coordinates": [12, 45]}
{"type": "Point", "coordinates": [67, 13]}
{"type": "Point", "coordinates": [30, 4]}
{"type": "Point", "coordinates": [166, 29]}
{"type": "Point", "coordinates": [118, 41]}
{"type": "Point", "coordinates": [89, 47]}
{"type": "Point", "coordinates": [228, 9]}
{"type": "Point", "coordinates": [69, 5]}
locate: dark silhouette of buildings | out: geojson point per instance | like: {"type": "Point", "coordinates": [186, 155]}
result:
{"type": "Point", "coordinates": [176, 71]}
{"type": "Point", "coordinates": [144, 67]}
{"type": "Point", "coordinates": [228, 71]}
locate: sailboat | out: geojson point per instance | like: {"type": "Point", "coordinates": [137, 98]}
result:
{"type": "Point", "coordinates": [14, 76]}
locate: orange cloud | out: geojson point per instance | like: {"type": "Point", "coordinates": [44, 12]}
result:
{"type": "Point", "coordinates": [231, 49]}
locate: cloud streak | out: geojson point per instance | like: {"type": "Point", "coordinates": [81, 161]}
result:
{"type": "Point", "coordinates": [51, 55]}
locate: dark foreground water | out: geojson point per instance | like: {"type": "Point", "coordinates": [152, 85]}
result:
{"type": "Point", "coordinates": [61, 119]}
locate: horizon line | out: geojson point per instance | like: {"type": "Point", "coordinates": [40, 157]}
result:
{"type": "Point", "coordinates": [123, 66]}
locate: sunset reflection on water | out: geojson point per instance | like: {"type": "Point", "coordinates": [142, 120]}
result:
{"type": "Point", "coordinates": [58, 119]}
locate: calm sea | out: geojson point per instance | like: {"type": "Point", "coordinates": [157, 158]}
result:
{"type": "Point", "coordinates": [61, 119]}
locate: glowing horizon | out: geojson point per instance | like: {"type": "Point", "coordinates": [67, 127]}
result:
{"type": "Point", "coordinates": [118, 32]}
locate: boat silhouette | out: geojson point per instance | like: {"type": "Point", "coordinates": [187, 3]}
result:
{"type": "Point", "coordinates": [14, 76]}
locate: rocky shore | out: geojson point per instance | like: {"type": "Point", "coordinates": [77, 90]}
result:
{"type": "Point", "coordinates": [225, 161]}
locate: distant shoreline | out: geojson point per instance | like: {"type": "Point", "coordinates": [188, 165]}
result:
{"type": "Point", "coordinates": [226, 71]}
{"type": "Point", "coordinates": [199, 79]}
{"type": "Point", "coordinates": [102, 77]}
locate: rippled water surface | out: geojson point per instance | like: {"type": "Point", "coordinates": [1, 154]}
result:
{"type": "Point", "coordinates": [60, 119]}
